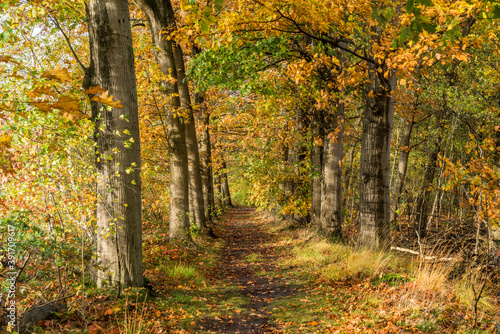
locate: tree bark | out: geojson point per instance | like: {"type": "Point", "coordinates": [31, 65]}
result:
{"type": "Point", "coordinates": [217, 191]}
{"type": "Point", "coordinates": [226, 196]}
{"type": "Point", "coordinates": [316, 163]}
{"type": "Point", "coordinates": [196, 202]}
{"type": "Point", "coordinates": [118, 161]}
{"type": "Point", "coordinates": [157, 12]}
{"type": "Point", "coordinates": [206, 161]}
{"type": "Point", "coordinates": [374, 203]}
{"type": "Point", "coordinates": [331, 194]}
{"type": "Point", "coordinates": [404, 153]}
{"type": "Point", "coordinates": [422, 215]}
{"type": "Point", "coordinates": [298, 157]}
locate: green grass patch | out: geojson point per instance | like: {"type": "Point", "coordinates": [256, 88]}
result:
{"type": "Point", "coordinates": [254, 257]}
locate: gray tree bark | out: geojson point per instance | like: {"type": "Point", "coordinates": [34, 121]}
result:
{"type": "Point", "coordinates": [158, 15]}
{"type": "Point", "coordinates": [118, 161]}
{"type": "Point", "coordinates": [224, 184]}
{"type": "Point", "coordinates": [316, 163]}
{"type": "Point", "coordinates": [404, 154]}
{"type": "Point", "coordinates": [196, 202]}
{"type": "Point", "coordinates": [374, 202]}
{"type": "Point", "coordinates": [331, 194]}
{"type": "Point", "coordinates": [422, 215]}
{"type": "Point", "coordinates": [206, 161]}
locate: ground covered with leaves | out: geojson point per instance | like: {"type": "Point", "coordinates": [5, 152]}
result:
{"type": "Point", "coordinates": [262, 275]}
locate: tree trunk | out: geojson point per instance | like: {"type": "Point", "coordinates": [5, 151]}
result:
{"type": "Point", "coordinates": [217, 191]}
{"type": "Point", "coordinates": [288, 184]}
{"type": "Point", "coordinates": [196, 202]}
{"type": "Point", "coordinates": [299, 158]}
{"type": "Point", "coordinates": [157, 12]}
{"type": "Point", "coordinates": [118, 160]}
{"type": "Point", "coordinates": [316, 163]}
{"type": "Point", "coordinates": [331, 194]}
{"type": "Point", "coordinates": [374, 192]}
{"type": "Point", "coordinates": [422, 215]}
{"type": "Point", "coordinates": [404, 153]}
{"type": "Point", "coordinates": [226, 196]}
{"type": "Point", "coordinates": [206, 161]}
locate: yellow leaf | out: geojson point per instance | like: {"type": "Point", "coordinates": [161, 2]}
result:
{"type": "Point", "coordinates": [4, 138]}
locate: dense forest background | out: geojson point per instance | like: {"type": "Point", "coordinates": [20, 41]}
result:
{"type": "Point", "coordinates": [365, 130]}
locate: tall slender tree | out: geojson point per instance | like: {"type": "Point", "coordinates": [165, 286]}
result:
{"type": "Point", "coordinates": [158, 13]}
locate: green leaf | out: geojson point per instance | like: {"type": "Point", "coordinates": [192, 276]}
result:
{"type": "Point", "coordinates": [427, 3]}
{"type": "Point", "coordinates": [496, 12]}
{"type": "Point", "coordinates": [410, 6]}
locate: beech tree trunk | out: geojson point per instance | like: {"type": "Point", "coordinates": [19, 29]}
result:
{"type": "Point", "coordinates": [404, 153]}
{"type": "Point", "coordinates": [206, 161]}
{"type": "Point", "coordinates": [196, 202]}
{"type": "Point", "coordinates": [374, 202]}
{"type": "Point", "coordinates": [158, 15]}
{"type": "Point", "coordinates": [422, 214]}
{"type": "Point", "coordinates": [298, 157]}
{"type": "Point", "coordinates": [217, 191]}
{"type": "Point", "coordinates": [118, 160]}
{"type": "Point", "coordinates": [331, 194]}
{"type": "Point", "coordinates": [288, 184]}
{"type": "Point", "coordinates": [224, 183]}
{"type": "Point", "coordinates": [316, 163]}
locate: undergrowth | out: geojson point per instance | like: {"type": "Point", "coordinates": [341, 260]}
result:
{"type": "Point", "coordinates": [401, 292]}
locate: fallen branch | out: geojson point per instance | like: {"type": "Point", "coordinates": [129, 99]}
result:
{"type": "Point", "coordinates": [431, 258]}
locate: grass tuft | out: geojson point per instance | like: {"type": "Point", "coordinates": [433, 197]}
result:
{"type": "Point", "coordinates": [337, 261]}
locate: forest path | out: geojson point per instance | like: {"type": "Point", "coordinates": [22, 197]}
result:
{"type": "Point", "coordinates": [249, 261]}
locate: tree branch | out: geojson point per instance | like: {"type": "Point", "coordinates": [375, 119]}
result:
{"type": "Point", "coordinates": [56, 23]}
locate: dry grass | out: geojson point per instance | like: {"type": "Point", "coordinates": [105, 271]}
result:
{"type": "Point", "coordinates": [337, 261]}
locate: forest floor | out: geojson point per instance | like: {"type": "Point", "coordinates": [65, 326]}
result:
{"type": "Point", "coordinates": [264, 275]}
{"type": "Point", "coordinates": [249, 261]}
{"type": "Point", "coordinates": [273, 278]}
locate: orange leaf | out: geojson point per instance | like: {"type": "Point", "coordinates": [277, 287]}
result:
{"type": "Point", "coordinates": [43, 106]}
{"type": "Point", "coordinates": [66, 104]}
{"type": "Point", "coordinates": [58, 74]}
{"type": "Point", "coordinates": [44, 90]}
{"type": "Point", "coordinates": [108, 100]}
{"type": "Point", "coordinates": [93, 90]}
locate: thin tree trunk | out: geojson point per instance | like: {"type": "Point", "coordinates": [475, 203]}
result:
{"type": "Point", "coordinates": [196, 202]}
{"type": "Point", "coordinates": [316, 163]}
{"type": "Point", "coordinates": [226, 196]}
{"type": "Point", "coordinates": [374, 193]}
{"type": "Point", "coordinates": [157, 13]}
{"type": "Point", "coordinates": [217, 191]}
{"type": "Point", "coordinates": [299, 156]}
{"type": "Point", "coordinates": [331, 194]}
{"type": "Point", "coordinates": [404, 153]}
{"type": "Point", "coordinates": [206, 161]}
{"type": "Point", "coordinates": [288, 183]}
{"type": "Point", "coordinates": [118, 161]}
{"type": "Point", "coordinates": [422, 215]}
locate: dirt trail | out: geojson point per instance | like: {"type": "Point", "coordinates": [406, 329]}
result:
{"type": "Point", "coordinates": [248, 260]}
